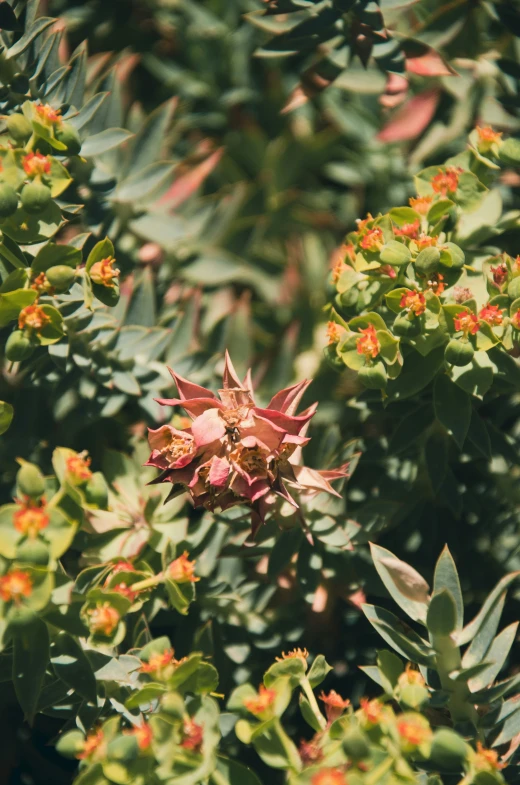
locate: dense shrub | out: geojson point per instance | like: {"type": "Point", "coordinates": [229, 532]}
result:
{"type": "Point", "coordinates": [321, 191]}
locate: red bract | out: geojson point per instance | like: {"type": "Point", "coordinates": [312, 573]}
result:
{"type": "Point", "coordinates": [236, 452]}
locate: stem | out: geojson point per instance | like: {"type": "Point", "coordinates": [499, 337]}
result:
{"type": "Point", "coordinates": [283, 739]}
{"type": "Point", "coordinates": [448, 660]}
{"type": "Point", "coordinates": [218, 778]}
{"type": "Point", "coordinates": [309, 694]}
{"type": "Point", "coordinates": [149, 583]}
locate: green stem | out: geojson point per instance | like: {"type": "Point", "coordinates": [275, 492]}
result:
{"type": "Point", "coordinates": [309, 694]}
{"type": "Point", "coordinates": [448, 660]}
{"type": "Point", "coordinates": [149, 583]}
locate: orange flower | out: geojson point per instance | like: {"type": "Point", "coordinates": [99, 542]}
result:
{"type": "Point", "coordinates": [93, 743]}
{"type": "Point", "coordinates": [36, 164]}
{"type": "Point", "coordinates": [126, 591]}
{"type": "Point", "coordinates": [500, 274]}
{"type": "Point", "coordinates": [373, 240]}
{"type": "Point", "coordinates": [446, 182]}
{"type": "Point", "coordinates": [310, 751]}
{"type": "Point", "coordinates": [413, 729]}
{"type": "Point", "coordinates": [261, 703]}
{"type": "Point", "coordinates": [372, 710]}
{"type": "Point", "coordinates": [40, 284]}
{"type": "Point", "coordinates": [329, 777]}
{"type": "Point", "coordinates": [436, 283]}
{"type": "Point", "coordinates": [33, 317]}
{"type": "Point", "coordinates": [421, 204]}
{"type": "Point", "coordinates": [161, 666]}
{"type": "Point", "coordinates": [192, 736]}
{"type": "Point", "coordinates": [335, 705]}
{"type": "Point", "coordinates": [104, 272]}
{"type": "Point", "coordinates": [15, 585]}
{"type": "Point", "coordinates": [362, 223]}
{"type": "Point", "coordinates": [487, 760]}
{"type": "Point", "coordinates": [182, 570]}
{"type": "Point", "coordinates": [414, 301]}
{"type": "Point", "coordinates": [78, 468]}
{"type": "Point", "coordinates": [408, 230]}
{"type": "Point", "coordinates": [30, 519]}
{"type": "Point", "coordinates": [103, 619]}
{"type": "Point", "coordinates": [143, 735]}
{"type": "Point", "coordinates": [491, 314]}
{"type": "Point", "coordinates": [411, 676]}
{"type": "Point", "coordinates": [466, 322]}
{"type": "Point", "coordinates": [338, 260]}
{"type": "Point", "coordinates": [334, 332]}
{"type": "Point", "coordinates": [368, 343]}
{"type": "Point", "coordinates": [425, 241]}
{"type": "Point", "coordinates": [291, 655]}
{"type": "Point", "coordinates": [515, 320]}
{"type": "Point", "coordinates": [487, 138]}
{"type": "Point", "coordinates": [48, 114]}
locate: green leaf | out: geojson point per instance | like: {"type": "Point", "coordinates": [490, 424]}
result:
{"type": "Point", "coordinates": [442, 614]}
{"type": "Point", "coordinates": [478, 435]}
{"type": "Point", "coordinates": [483, 639]}
{"type": "Point", "coordinates": [308, 714]}
{"type": "Point", "coordinates": [72, 666]}
{"type": "Point", "coordinates": [100, 251]}
{"type": "Point", "coordinates": [318, 671]}
{"type": "Point", "coordinates": [417, 373]}
{"type": "Point", "coordinates": [30, 660]}
{"type": "Point", "coordinates": [236, 773]}
{"type": "Point", "coordinates": [395, 253]}
{"type": "Point", "coordinates": [477, 377]}
{"type": "Point", "coordinates": [409, 589]}
{"type": "Point", "coordinates": [104, 141]}
{"type": "Point", "coordinates": [11, 303]}
{"type": "Point", "coordinates": [509, 729]}
{"type": "Point", "coordinates": [399, 635]}
{"type": "Point", "coordinates": [447, 577]}
{"type": "Point", "coordinates": [146, 695]}
{"type": "Point", "coordinates": [509, 152]}
{"type": "Point", "coordinates": [452, 408]}
{"type": "Point", "coordinates": [390, 668]}
{"type": "Point", "coordinates": [436, 457]}
{"type": "Point", "coordinates": [52, 254]}
{"type": "Point", "coordinates": [410, 428]}
{"type": "Point", "coordinates": [180, 595]}
{"type": "Point", "coordinates": [6, 416]}
{"type": "Point", "coordinates": [497, 655]}
{"type": "Point", "coordinates": [141, 184]}
{"type": "Point", "coordinates": [492, 601]}
{"type": "Point", "coordinates": [32, 32]}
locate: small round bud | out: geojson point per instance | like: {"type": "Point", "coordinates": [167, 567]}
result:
{"type": "Point", "coordinates": [61, 276]}
{"type": "Point", "coordinates": [8, 200]}
{"type": "Point", "coordinates": [459, 352]}
{"type": "Point", "coordinates": [71, 744]}
{"type": "Point", "coordinates": [18, 347]}
{"type": "Point", "coordinates": [35, 197]}
{"type": "Point", "coordinates": [406, 327]}
{"type": "Point", "coordinates": [18, 127]}
{"type": "Point", "coordinates": [373, 376]}
{"type": "Point", "coordinates": [30, 480]}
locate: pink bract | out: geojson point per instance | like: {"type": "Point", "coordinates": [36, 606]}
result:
{"type": "Point", "coordinates": [235, 452]}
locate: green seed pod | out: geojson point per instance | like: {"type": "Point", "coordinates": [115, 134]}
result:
{"type": "Point", "coordinates": [459, 352]}
{"type": "Point", "coordinates": [8, 200]}
{"type": "Point", "coordinates": [67, 134]}
{"type": "Point", "coordinates": [413, 695]}
{"type": "Point", "coordinates": [71, 744]}
{"type": "Point", "coordinates": [123, 748]}
{"type": "Point", "coordinates": [18, 347]}
{"type": "Point", "coordinates": [449, 751]}
{"type": "Point", "coordinates": [513, 289]}
{"type": "Point", "coordinates": [373, 376]}
{"type": "Point", "coordinates": [96, 490]}
{"type": "Point", "coordinates": [355, 745]}
{"type": "Point", "coordinates": [18, 127]}
{"type": "Point", "coordinates": [61, 276]}
{"type": "Point", "coordinates": [33, 552]}
{"type": "Point", "coordinates": [332, 358]}
{"type": "Point", "coordinates": [35, 197]}
{"type": "Point", "coordinates": [427, 260]}
{"type": "Point", "coordinates": [30, 480]}
{"type": "Point", "coordinates": [405, 327]}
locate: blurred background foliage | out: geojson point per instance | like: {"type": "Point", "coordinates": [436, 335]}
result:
{"type": "Point", "coordinates": [274, 141]}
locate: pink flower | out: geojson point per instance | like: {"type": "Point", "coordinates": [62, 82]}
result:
{"type": "Point", "coordinates": [236, 452]}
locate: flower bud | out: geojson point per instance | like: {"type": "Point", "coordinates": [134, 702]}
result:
{"type": "Point", "coordinates": [459, 352]}
{"type": "Point", "coordinates": [449, 751]}
{"type": "Point", "coordinates": [67, 135]}
{"type": "Point", "coordinates": [71, 744]}
{"type": "Point", "coordinates": [61, 276]}
{"type": "Point", "coordinates": [30, 480]}
{"type": "Point", "coordinates": [18, 346]}
{"type": "Point", "coordinates": [373, 376]}
{"type": "Point", "coordinates": [35, 197]}
{"type": "Point", "coordinates": [18, 127]}
{"type": "Point", "coordinates": [406, 327]}
{"type": "Point", "coordinates": [8, 200]}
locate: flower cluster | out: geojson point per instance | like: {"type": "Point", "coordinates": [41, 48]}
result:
{"type": "Point", "coordinates": [236, 452]}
